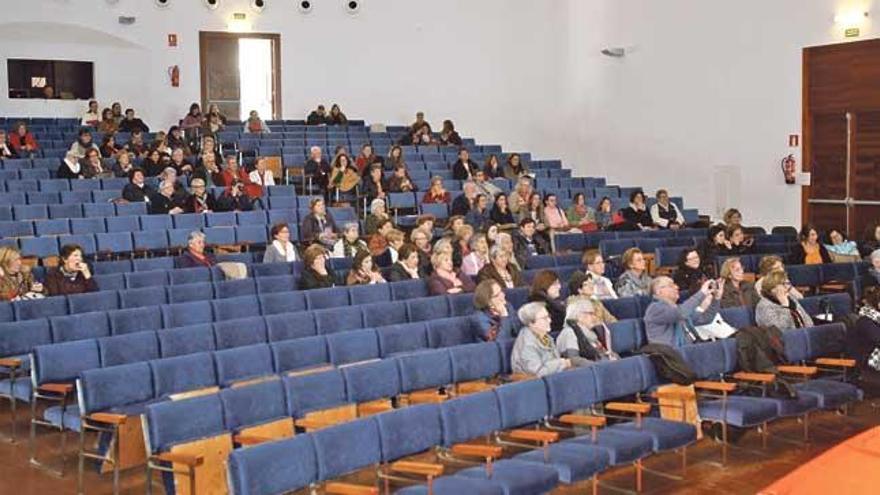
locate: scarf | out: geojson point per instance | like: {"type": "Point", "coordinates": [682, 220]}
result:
{"type": "Point", "coordinates": [350, 249]}
{"type": "Point", "coordinates": [74, 167]}
{"type": "Point", "coordinates": [286, 249]}
{"type": "Point", "coordinates": [201, 202]}
{"type": "Point", "coordinates": [871, 313]}
{"type": "Point", "coordinates": [793, 311]}
{"type": "Point", "coordinates": [494, 325]}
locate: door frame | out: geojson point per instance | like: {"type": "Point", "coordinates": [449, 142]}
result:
{"type": "Point", "coordinates": [204, 36]}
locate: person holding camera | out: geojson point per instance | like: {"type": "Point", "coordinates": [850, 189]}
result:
{"type": "Point", "coordinates": [673, 324]}
{"type": "Point", "coordinates": [72, 276]}
{"type": "Point", "coordinates": [234, 198]}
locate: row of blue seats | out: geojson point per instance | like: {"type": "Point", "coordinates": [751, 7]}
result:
{"type": "Point", "coordinates": [395, 435]}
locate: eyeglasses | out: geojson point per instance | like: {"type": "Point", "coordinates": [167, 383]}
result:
{"type": "Point", "coordinates": [544, 316]}
{"type": "Point", "coordinates": [598, 262]}
{"type": "Point", "coordinates": [497, 294]}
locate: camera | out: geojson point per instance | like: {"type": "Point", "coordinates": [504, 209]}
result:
{"type": "Point", "coordinates": [713, 285]}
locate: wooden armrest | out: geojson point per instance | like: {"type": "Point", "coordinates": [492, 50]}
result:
{"type": "Point", "coordinates": [755, 377]}
{"type": "Point", "coordinates": [10, 362]}
{"type": "Point", "coordinates": [109, 418]}
{"type": "Point", "coordinates": [534, 435]}
{"type": "Point", "coordinates": [583, 420]}
{"type": "Point", "coordinates": [798, 370]}
{"type": "Point", "coordinates": [421, 468]}
{"type": "Point", "coordinates": [487, 451]}
{"type": "Point", "coordinates": [629, 407]}
{"type": "Point", "coordinates": [716, 386]}
{"type": "Point", "coordinates": [311, 423]}
{"type": "Point", "coordinates": [57, 388]}
{"type": "Point", "coordinates": [375, 408]}
{"type": "Point", "coordinates": [180, 458]}
{"type": "Point", "coordinates": [844, 363]}
{"type": "Point", "coordinates": [249, 439]}
{"type": "Point", "coordinates": [674, 394]}
{"type": "Point", "coordinates": [520, 377]}
{"type": "Point", "coordinates": [431, 397]}
{"type": "Point", "coordinates": [350, 489]}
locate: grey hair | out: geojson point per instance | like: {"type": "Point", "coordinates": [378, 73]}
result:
{"type": "Point", "coordinates": [655, 284]}
{"type": "Point", "coordinates": [576, 306]}
{"type": "Point", "coordinates": [378, 202]}
{"type": "Point", "coordinates": [502, 235]}
{"type": "Point", "coordinates": [528, 313]}
{"type": "Point", "coordinates": [350, 226]}
{"type": "Point", "coordinates": [314, 148]}
{"type": "Point", "coordinates": [874, 254]}
{"type": "Point", "coordinates": [473, 242]}
{"type": "Point", "coordinates": [496, 250]}
{"type": "Point", "coordinates": [194, 235]}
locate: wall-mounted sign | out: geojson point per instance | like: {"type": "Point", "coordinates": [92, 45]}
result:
{"type": "Point", "coordinates": [172, 40]}
{"type": "Point", "coordinates": [851, 33]}
{"type": "Point", "coordinates": [794, 140]}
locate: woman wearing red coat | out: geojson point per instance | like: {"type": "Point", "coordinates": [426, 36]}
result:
{"type": "Point", "coordinates": [22, 140]}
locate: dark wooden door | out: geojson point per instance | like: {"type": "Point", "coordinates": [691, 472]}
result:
{"type": "Point", "coordinates": [842, 135]}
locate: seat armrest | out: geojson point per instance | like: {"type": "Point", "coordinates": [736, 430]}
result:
{"type": "Point", "coordinates": [249, 439]}
{"type": "Point", "coordinates": [180, 458]}
{"type": "Point", "coordinates": [519, 377]}
{"type": "Point", "coordinates": [534, 435]}
{"type": "Point", "coordinates": [583, 420]}
{"type": "Point", "coordinates": [10, 362]}
{"type": "Point", "coordinates": [57, 388]}
{"type": "Point", "coordinates": [798, 370]}
{"type": "Point", "coordinates": [486, 451]}
{"type": "Point", "coordinates": [715, 386]}
{"type": "Point", "coordinates": [311, 423]}
{"type": "Point", "coordinates": [755, 377]}
{"type": "Point", "coordinates": [843, 363]}
{"type": "Point", "coordinates": [420, 468]}
{"type": "Point", "coordinates": [629, 407]}
{"type": "Point", "coordinates": [108, 418]}
{"type": "Point", "coordinates": [340, 488]}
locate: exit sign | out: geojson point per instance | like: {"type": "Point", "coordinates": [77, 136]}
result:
{"type": "Point", "coordinates": [851, 33]}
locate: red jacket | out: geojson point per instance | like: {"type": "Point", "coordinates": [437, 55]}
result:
{"type": "Point", "coordinates": [18, 143]}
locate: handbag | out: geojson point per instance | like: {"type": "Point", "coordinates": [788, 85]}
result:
{"type": "Point", "coordinates": [716, 329]}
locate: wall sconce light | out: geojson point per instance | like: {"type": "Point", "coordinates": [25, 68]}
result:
{"type": "Point", "coordinates": [851, 22]}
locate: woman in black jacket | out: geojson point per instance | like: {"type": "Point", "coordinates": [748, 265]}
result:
{"type": "Point", "coordinates": [316, 275]}
{"type": "Point", "coordinates": [636, 214]}
{"type": "Point", "coordinates": [546, 288]}
{"type": "Point", "coordinates": [501, 214]}
{"type": "Point", "coordinates": [691, 273]}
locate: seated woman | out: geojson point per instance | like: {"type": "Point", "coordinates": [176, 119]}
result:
{"type": "Point", "coordinates": [636, 214]}
{"type": "Point", "coordinates": [280, 249]}
{"type": "Point", "coordinates": [363, 271]}
{"type": "Point", "coordinates": [519, 197]}
{"type": "Point", "coordinates": [446, 279]}
{"type": "Point", "coordinates": [137, 190]}
{"type": "Point", "coordinates": [776, 308]}
{"type": "Point", "coordinates": [349, 244]}
{"type": "Point", "coordinates": [436, 193]}
{"type": "Point", "coordinates": [500, 269]}
{"type": "Point", "coordinates": [478, 216]}
{"type": "Point", "coordinates": [72, 276]}
{"type": "Point", "coordinates": [691, 273]}
{"type": "Point", "coordinates": [366, 158]}
{"type": "Point", "coordinates": [492, 168]}
{"type": "Point", "coordinates": [407, 265]}
{"type": "Point", "coordinates": [870, 240]}
{"type": "Point", "coordinates": [501, 214]}
{"type": "Point", "coordinates": [461, 245]}
{"type": "Point", "coordinates": [376, 215]}
{"type": "Point", "coordinates": [737, 242]}
{"type": "Point", "coordinates": [316, 275]}
{"type": "Point", "coordinates": [865, 337]}
{"type": "Point", "coordinates": [515, 167]}
{"type": "Point", "coordinates": [318, 226]}
{"type": "Point", "coordinates": [70, 168]}
{"type": "Point", "coordinates": [605, 218]}
{"type": "Point", "coordinates": [534, 352]}
{"type": "Point", "coordinates": [581, 285]}
{"type": "Point", "coordinates": [534, 209]}
{"type": "Point", "coordinates": [195, 255]}
{"type": "Point", "coordinates": [554, 216]}
{"type": "Point", "coordinates": [737, 292]}
{"type": "Point", "coordinates": [374, 185]}
{"type": "Point", "coordinates": [809, 251]}
{"type": "Point", "coordinates": [773, 263]}
{"type": "Point", "coordinates": [580, 215]}
{"type": "Point", "coordinates": [395, 239]}
{"type": "Point", "coordinates": [200, 199]}
{"type": "Point", "coordinates": [547, 289]}
{"type": "Point", "coordinates": [16, 280]}
{"type": "Point", "coordinates": [478, 256]}
{"type": "Point", "coordinates": [492, 311]}
{"type": "Point", "coordinates": [400, 181]}
{"type": "Point", "coordinates": [635, 281]}
{"type": "Point", "coordinates": [594, 266]}
{"type": "Point", "coordinates": [448, 135]}
{"type": "Point", "coordinates": [873, 276]}
{"type": "Point", "coordinates": [841, 249]}
{"type": "Point", "coordinates": [716, 243]}
{"type": "Point", "coordinates": [584, 339]}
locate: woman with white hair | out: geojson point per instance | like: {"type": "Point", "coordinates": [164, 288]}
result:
{"type": "Point", "coordinates": [873, 277]}
{"type": "Point", "coordinates": [349, 244]}
{"type": "Point", "coordinates": [534, 352]}
{"type": "Point", "coordinates": [376, 215]}
{"type": "Point", "coordinates": [584, 338]}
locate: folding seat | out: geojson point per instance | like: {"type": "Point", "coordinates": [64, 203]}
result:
{"type": "Point", "coordinates": [149, 279]}
{"type": "Point", "coordinates": [280, 190]}
{"type": "Point", "coordinates": [67, 211]}
{"type": "Point", "coordinates": [334, 320]}
{"type": "Point", "coordinates": [190, 339]}
{"type": "Point", "coordinates": [353, 346]}
{"type": "Point", "coordinates": [402, 338]}
{"type": "Point", "coordinates": [25, 186]}
{"type": "Point", "coordinates": [115, 183]}
{"type": "Point", "coordinates": [131, 209]}
{"type": "Point", "coordinates": [282, 202]}
{"type": "Point", "coordinates": [102, 210]}
{"type": "Point", "coordinates": [120, 224]}
{"type": "Point", "coordinates": [79, 327]}
{"type": "Point", "coordinates": [189, 275]}
{"type": "Point", "coordinates": [290, 326]}
{"type": "Point", "coordinates": [155, 222]}
{"type": "Point", "coordinates": [273, 284]}
{"type": "Point", "coordinates": [151, 264]}
{"type": "Point", "coordinates": [240, 332]}
{"type": "Point", "coordinates": [76, 198]}
{"type": "Point", "coordinates": [114, 243]}
{"type": "Point", "coordinates": [409, 289]}
{"type": "Point", "coordinates": [296, 355]}
{"type": "Point", "coordinates": [16, 229]}
{"type": "Point", "coordinates": [40, 247]}
{"type": "Point", "coordinates": [460, 304]}
{"type": "Point", "coordinates": [626, 336]}
{"type": "Point", "coordinates": [169, 429]}
{"type": "Point", "coordinates": [190, 221]}
{"type": "Point", "coordinates": [341, 264]}
{"type": "Point", "coordinates": [40, 308]}
{"type": "Point", "coordinates": [318, 400]}
{"type": "Point", "coordinates": [5, 213]}
{"type": "Point", "coordinates": [85, 185]}
{"type": "Point", "coordinates": [805, 277]}
{"type": "Point", "coordinates": [270, 269]}
{"type": "Point", "coordinates": [235, 307]}
{"type": "Point", "coordinates": [191, 313]}
{"type": "Point", "coordinates": [181, 376]}
{"type": "Point", "coordinates": [235, 288]}
{"type": "Point", "coordinates": [128, 348]}
{"type": "Point", "coordinates": [258, 410]}
{"type": "Point", "coordinates": [427, 308]}
{"type": "Point", "coordinates": [274, 467]}
{"type": "Point", "coordinates": [623, 308]}
{"type": "Point", "coordinates": [327, 298]}
{"type": "Point", "coordinates": [380, 314]}
{"type": "Point", "coordinates": [110, 281]}
{"type": "Point", "coordinates": [87, 226]}
{"type": "Point", "coordinates": [203, 291]}
{"type": "Point", "coordinates": [474, 366]}
{"type": "Point", "coordinates": [178, 238]}
{"type": "Point", "coordinates": [243, 364]}
{"type": "Point", "coordinates": [448, 332]}
{"type": "Point", "coordinates": [251, 235]}
{"type": "Point", "coordinates": [108, 196]}
{"type": "Point", "coordinates": [423, 374]}
{"type": "Point", "coordinates": [43, 198]}
{"type": "Point", "coordinates": [739, 317]}
{"type": "Point", "coordinates": [367, 294]}
{"type": "Point", "coordinates": [219, 236]}
{"type": "Point", "coordinates": [221, 219]}
{"type": "Point", "coordinates": [133, 320]}
{"type": "Point", "coordinates": [440, 211]}
{"type": "Point", "coordinates": [287, 215]}
{"type": "Point", "coordinates": [372, 386]}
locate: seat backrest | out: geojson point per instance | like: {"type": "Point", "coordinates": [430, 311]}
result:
{"type": "Point", "coordinates": [20, 337]}
{"type": "Point", "coordinates": [235, 288]}
{"type": "Point", "coordinates": [408, 289]}
{"type": "Point", "coordinates": [738, 317]}
{"type": "Point", "coordinates": [171, 422]}
{"type": "Point", "coordinates": [314, 392]}
{"type": "Point", "coordinates": [448, 332]}
{"type": "Point", "coordinates": [408, 431]}
{"type": "Point", "coordinates": [202, 291]}
{"type": "Point", "coordinates": [623, 308]}
{"type": "Point", "coordinates": [522, 403]}
{"type": "Point", "coordinates": [475, 361]}
{"type": "Point", "coordinates": [625, 335]}
{"type": "Point", "coordinates": [254, 404]}
{"type": "Point", "coordinates": [353, 346]}
{"type": "Point", "coordinates": [298, 354]}
{"type": "Point", "coordinates": [291, 326]}
{"type": "Point", "coordinates": [240, 332]}
{"type": "Point", "coordinates": [371, 381]}
{"type": "Point", "coordinates": [470, 417]}
{"type": "Point", "coordinates": [128, 348]}
{"type": "Point", "coordinates": [191, 313]}
{"type": "Point", "coordinates": [40, 308]}
{"type": "Point", "coordinates": [190, 339]}
{"type": "Point", "coordinates": [274, 467]}
{"type": "Point", "coordinates": [63, 362]}
{"type": "Point", "coordinates": [404, 337]}
{"type": "Point", "coordinates": [707, 359]}
{"type": "Point", "coordinates": [135, 320]}
{"type": "Point", "coordinates": [826, 340]}
{"type": "Point", "coordinates": [149, 295]}
{"type": "Point", "coordinates": [365, 294]}
{"type": "Point", "coordinates": [329, 442]}
{"type": "Point", "coordinates": [104, 388]}
{"type": "Point", "coordinates": [427, 308]}
{"type": "Point", "coordinates": [571, 390]}
{"type": "Point", "coordinates": [330, 297]}
{"type": "Point", "coordinates": [81, 326]}
{"type": "Point", "coordinates": [93, 301]}
{"type": "Point", "coordinates": [183, 373]}
{"type": "Point", "coordinates": [334, 320]}
{"type": "Point", "coordinates": [617, 379]}
{"type": "Point", "coordinates": [424, 370]}
{"type": "Point", "coordinates": [243, 363]}
{"type": "Point", "coordinates": [190, 275]}
{"type": "Point", "coordinates": [380, 314]}
{"type": "Point", "coordinates": [796, 346]}
{"type": "Point", "coordinates": [282, 302]}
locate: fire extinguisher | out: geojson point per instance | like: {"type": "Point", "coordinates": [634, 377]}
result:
{"type": "Point", "coordinates": [174, 74]}
{"type": "Point", "coordinates": [789, 167]}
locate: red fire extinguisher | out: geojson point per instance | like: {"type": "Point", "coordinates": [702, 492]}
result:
{"type": "Point", "coordinates": [789, 167]}
{"type": "Point", "coordinates": [174, 74]}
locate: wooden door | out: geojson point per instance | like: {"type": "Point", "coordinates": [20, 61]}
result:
{"type": "Point", "coordinates": [842, 135]}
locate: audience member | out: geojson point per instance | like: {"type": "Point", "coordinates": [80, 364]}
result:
{"type": "Point", "coordinates": [344, 178]}
{"type": "Point", "coordinates": [179, 162]}
{"type": "Point", "coordinates": [737, 292]}
{"type": "Point", "coordinates": [108, 146]}
{"type": "Point", "coordinates": [436, 194]}
{"type": "Point", "coordinates": [500, 269]}
{"type": "Point", "coordinates": [315, 274]}
{"type": "Point", "coordinates": [123, 165]}
{"type": "Point", "coordinates": [280, 249]}
{"type": "Point", "coordinates": [108, 124]}
{"type": "Point", "coordinates": [376, 215]}
{"type": "Point", "coordinates": [519, 198]}
{"type": "Point", "coordinates": [255, 124]}
{"type": "Point", "coordinates": [214, 111]}
{"type": "Point", "coordinates": [116, 110]}
{"type": "Point", "coordinates": [336, 116]}
{"type": "Point", "coordinates": [395, 239]}
{"type": "Point", "coordinates": [478, 257]}
{"type": "Point", "coordinates": [419, 123]}
{"type": "Point", "coordinates": [809, 251]}
{"type": "Point", "coordinates": [534, 352]}
{"type": "Point", "coordinates": [738, 243]}
{"type": "Point", "coordinates": [318, 225]}
{"type": "Point", "coordinates": [527, 242]}
{"type": "Point", "coordinates": [873, 277]}
{"type": "Point", "coordinates": [83, 143]}
{"type": "Point", "coordinates": [363, 271]}
{"type": "Point", "coordinates": [400, 181]}
{"type": "Point", "coordinates": [395, 158]}
{"type": "Point", "coordinates": [136, 144]}
{"type": "Point", "coordinates": [776, 308]}
{"type": "Point", "coordinates": [691, 272]}
{"type": "Point", "coordinates": [515, 168]}
{"type": "Point", "coordinates": [636, 214]}
{"type": "Point", "coordinates": [366, 158]}
{"type": "Point", "coordinates": [261, 175]}
{"type": "Point", "coordinates": [232, 172]}
{"type": "Point", "coordinates": [841, 249]}
{"type": "Point", "coordinates": [137, 190]}
{"type": "Point", "coordinates": [16, 279]}
{"type": "Point", "coordinates": [71, 276]}
{"type": "Point", "coordinates": [594, 266]}
{"type": "Point", "coordinates": [668, 323]}
{"type": "Point", "coordinates": [484, 186]}
{"type": "Point", "coordinates": [448, 135]}
{"type": "Point", "coordinates": [445, 279]}
{"type": "Point", "coordinates": [375, 186]}
{"type": "Point", "coordinates": [546, 288]}
{"type": "Point", "coordinates": [348, 244]}
{"type": "Point", "coordinates": [554, 216]}
{"type": "Point", "coordinates": [131, 123]}
{"type": "Point", "coordinates": [580, 215]}
{"type": "Point", "coordinates": [378, 242]}
{"type": "Point", "coordinates": [584, 339]}
{"type": "Point", "coordinates": [423, 245]}
{"type": "Point", "coordinates": [407, 266]}
{"type": "Point", "coordinates": [193, 119]}
{"type": "Point", "coordinates": [664, 213]}
{"type": "Point", "coordinates": [478, 217]}
{"type": "Point", "coordinates": [162, 203]}
{"type": "Point", "coordinates": [92, 166]}
{"type": "Point", "coordinates": [195, 255]}
{"type": "Point", "coordinates": [180, 194]}
{"type": "Point", "coordinates": [732, 217]}
{"type": "Point", "coordinates": [6, 150]}
{"type": "Point", "coordinates": [716, 243]}
{"type": "Point", "coordinates": [464, 203]}
{"type": "Point", "coordinates": [464, 168]}
{"type": "Point", "coordinates": [493, 168]}
{"type": "Point", "coordinates": [501, 214]}
{"type": "Point", "coordinates": [491, 321]}
{"type": "Point", "coordinates": [317, 116]}
{"type": "Point", "coordinates": [870, 240]}
{"type": "Point", "coordinates": [208, 170]}
{"type": "Point", "coordinates": [91, 116]}
{"type": "Point", "coordinates": [865, 337]}
{"type": "Point", "coordinates": [317, 169]}
{"type": "Point", "coordinates": [461, 245]}
{"type": "Point", "coordinates": [177, 139]}
{"type": "Point", "coordinates": [70, 167]}
{"type": "Point", "coordinates": [534, 210]}
{"type": "Point", "coordinates": [772, 263]}
{"type": "Point", "coordinates": [201, 200]}
{"type": "Point", "coordinates": [581, 286]}
{"type": "Point", "coordinates": [605, 216]}
{"type": "Point", "coordinates": [152, 163]}
{"type": "Point", "coordinates": [635, 281]}
{"type": "Point", "coordinates": [23, 142]}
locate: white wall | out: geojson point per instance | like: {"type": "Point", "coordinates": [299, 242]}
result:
{"type": "Point", "coordinates": [707, 85]}
{"type": "Point", "coordinates": [488, 65]}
